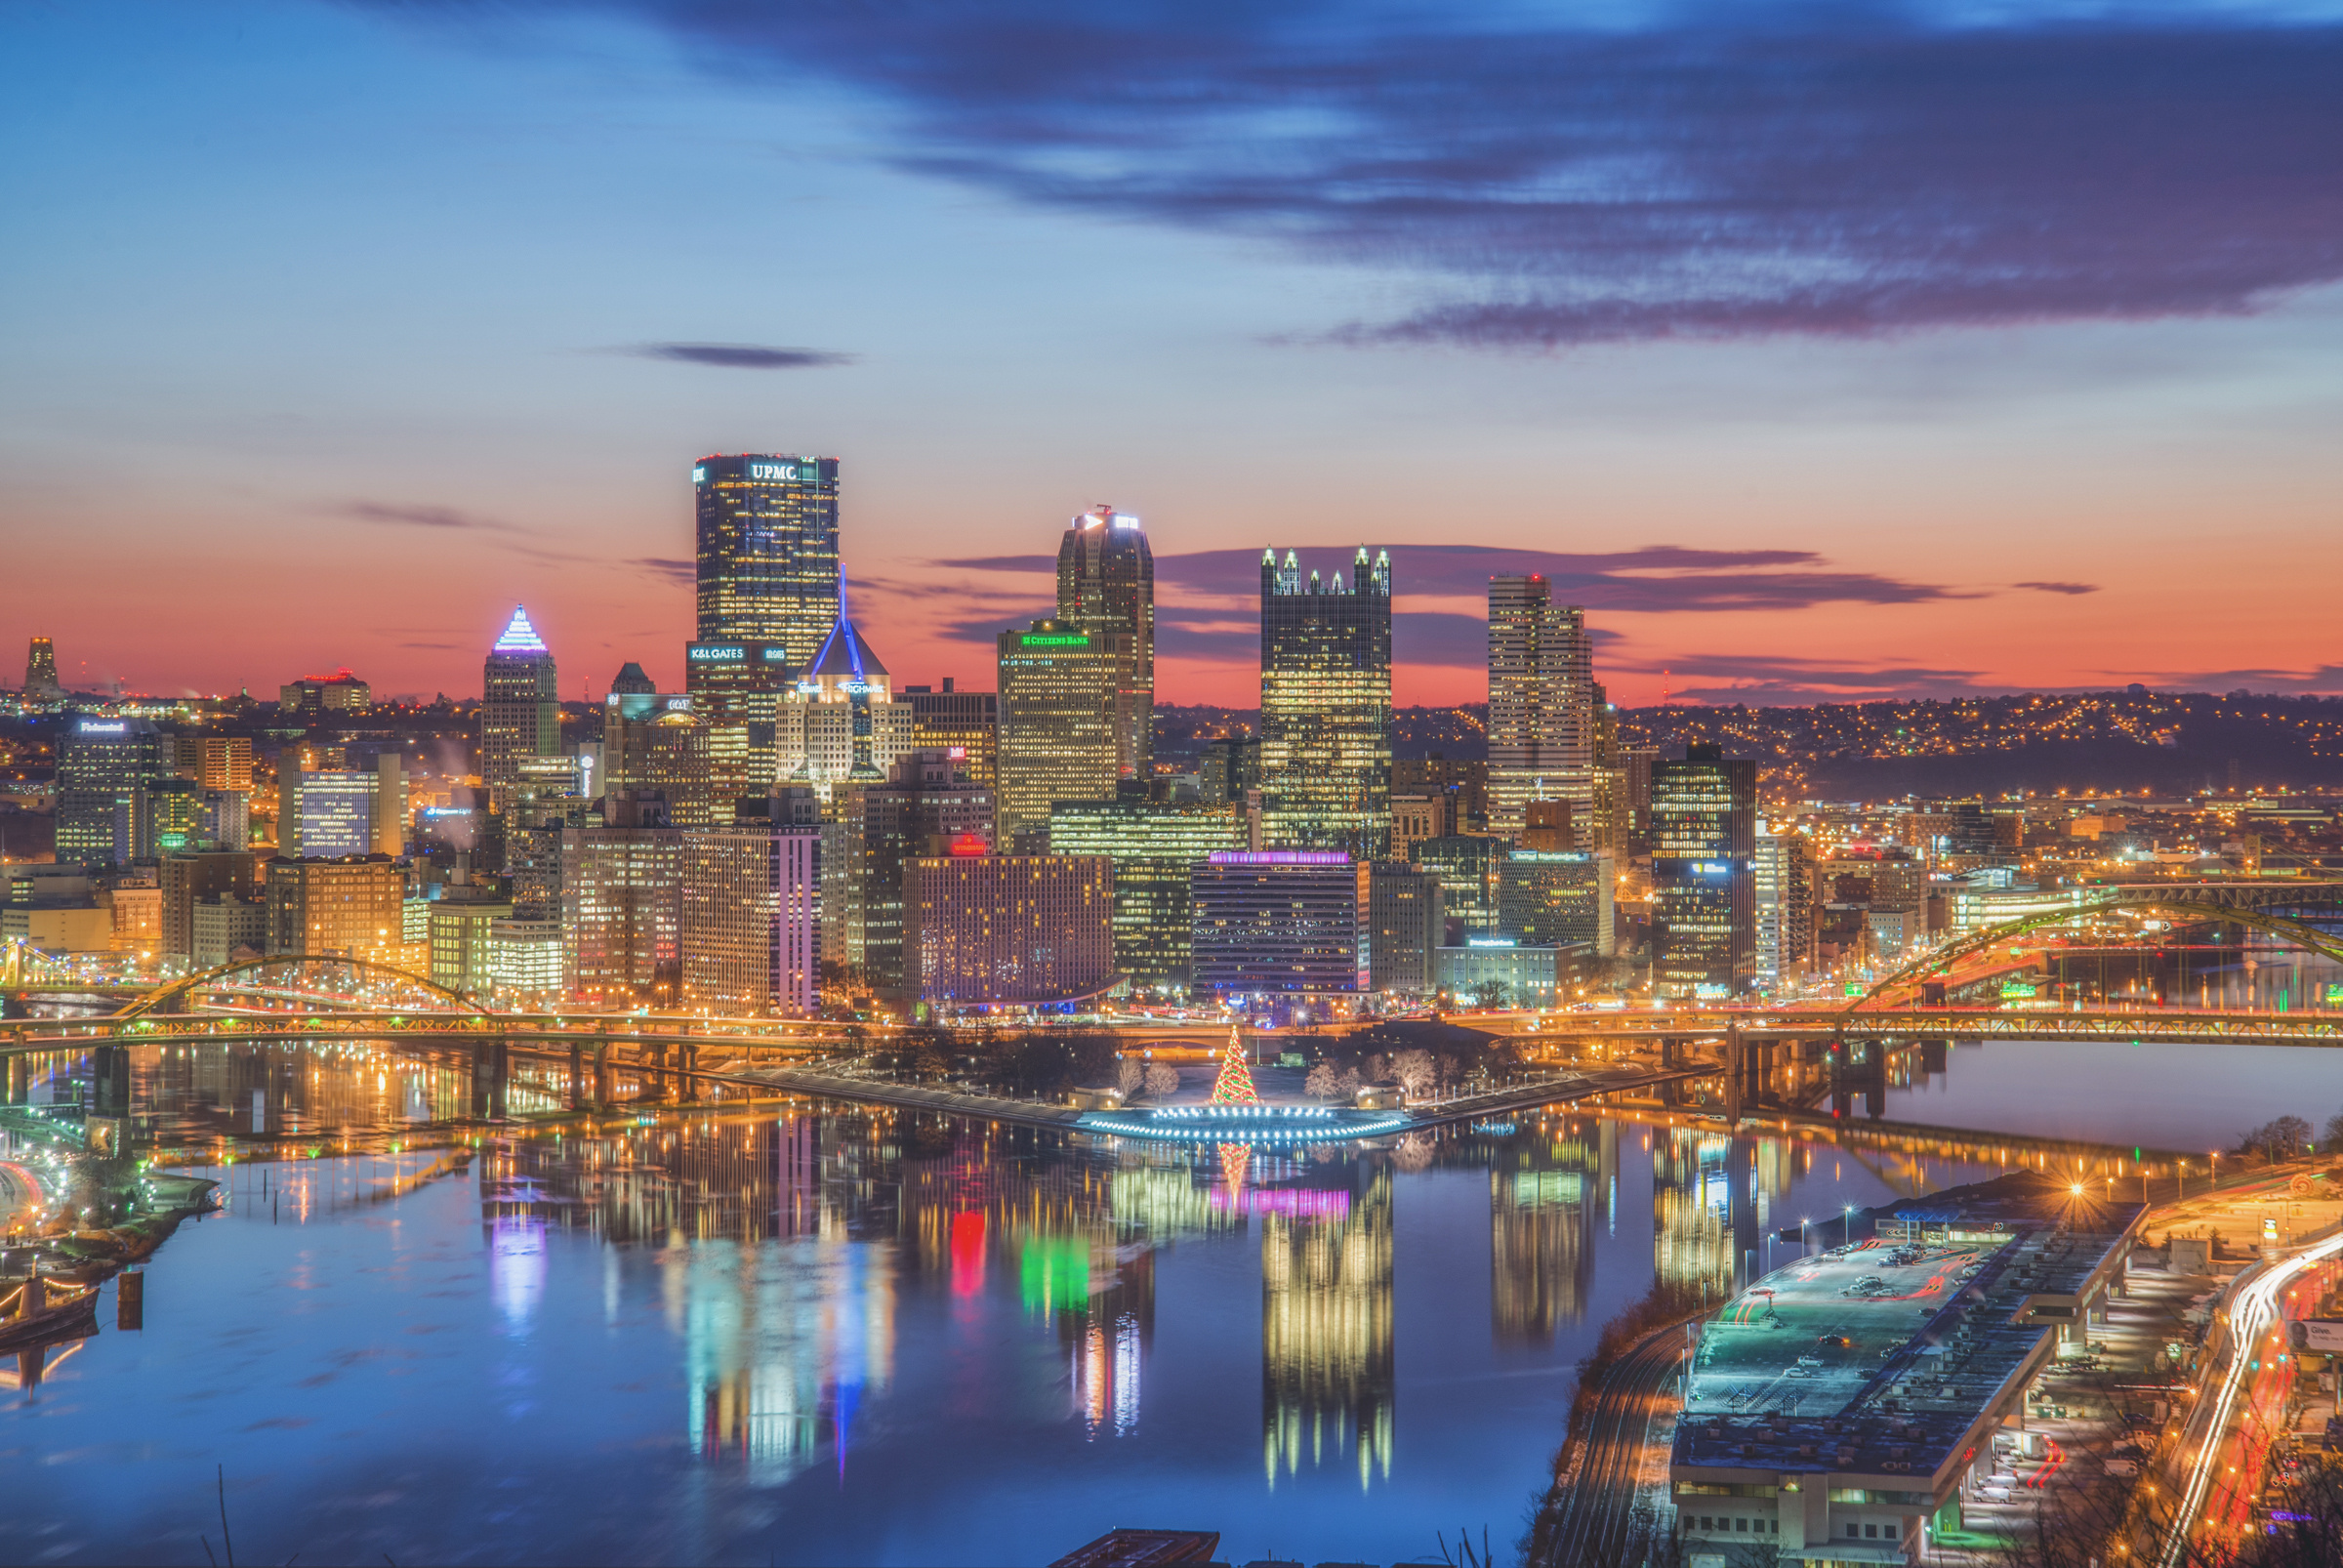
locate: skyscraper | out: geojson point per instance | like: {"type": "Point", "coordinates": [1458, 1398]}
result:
{"type": "Point", "coordinates": [964, 724]}
{"type": "Point", "coordinates": [622, 888]}
{"type": "Point", "coordinates": [1106, 583]}
{"type": "Point", "coordinates": [40, 670]}
{"type": "Point", "coordinates": [1703, 896]}
{"type": "Point", "coordinates": [1058, 737]}
{"type": "Point", "coordinates": [841, 721]}
{"type": "Point", "coordinates": [1540, 705]}
{"type": "Point", "coordinates": [1784, 877]}
{"type": "Point", "coordinates": [751, 932]}
{"type": "Point", "coordinates": [767, 551]}
{"type": "Point", "coordinates": [105, 770]}
{"type": "Point", "coordinates": [1325, 707]}
{"type": "Point", "coordinates": [520, 708]}
{"type": "Point", "coordinates": [1152, 844]}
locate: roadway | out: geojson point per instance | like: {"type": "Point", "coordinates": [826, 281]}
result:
{"type": "Point", "coordinates": [1595, 1521]}
{"type": "Point", "coordinates": [2250, 1381]}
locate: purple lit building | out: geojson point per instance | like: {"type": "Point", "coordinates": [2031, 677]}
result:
{"type": "Point", "coordinates": [1279, 923]}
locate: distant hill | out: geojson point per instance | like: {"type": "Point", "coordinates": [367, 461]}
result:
{"type": "Point", "coordinates": [2129, 739]}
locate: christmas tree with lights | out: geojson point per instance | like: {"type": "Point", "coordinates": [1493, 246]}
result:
{"type": "Point", "coordinates": [1234, 1086]}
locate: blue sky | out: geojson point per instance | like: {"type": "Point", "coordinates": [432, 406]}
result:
{"type": "Point", "coordinates": [1798, 340]}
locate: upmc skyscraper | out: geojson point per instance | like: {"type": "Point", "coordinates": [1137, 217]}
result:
{"type": "Point", "coordinates": [767, 551]}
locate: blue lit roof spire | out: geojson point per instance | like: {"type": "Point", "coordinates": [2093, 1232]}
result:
{"type": "Point", "coordinates": [519, 636]}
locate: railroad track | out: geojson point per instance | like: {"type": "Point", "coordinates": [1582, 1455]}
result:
{"type": "Point", "coordinates": [1596, 1523]}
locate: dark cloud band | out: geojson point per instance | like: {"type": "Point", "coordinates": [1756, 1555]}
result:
{"type": "Point", "coordinates": [739, 355]}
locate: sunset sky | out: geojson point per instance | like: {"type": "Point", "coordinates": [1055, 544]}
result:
{"type": "Point", "coordinates": [1820, 351]}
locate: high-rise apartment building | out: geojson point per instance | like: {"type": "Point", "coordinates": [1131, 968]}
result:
{"type": "Point", "coordinates": [751, 908]}
{"type": "Point", "coordinates": [1152, 845]}
{"type": "Point", "coordinates": [767, 551]}
{"type": "Point", "coordinates": [1558, 897]}
{"type": "Point", "coordinates": [966, 725]}
{"type": "Point", "coordinates": [1703, 895]}
{"type": "Point", "coordinates": [1782, 887]}
{"type": "Point", "coordinates": [1106, 583]}
{"type": "Point", "coordinates": [986, 929]}
{"type": "Point", "coordinates": [1540, 703]}
{"type": "Point", "coordinates": [1325, 707]}
{"type": "Point", "coordinates": [1058, 740]}
{"type": "Point", "coordinates": [1467, 865]}
{"type": "Point", "coordinates": [1610, 824]}
{"type": "Point", "coordinates": [520, 708]}
{"type": "Point", "coordinates": [342, 908]}
{"type": "Point", "coordinates": [841, 722]}
{"type": "Point", "coordinates": [105, 771]}
{"type": "Point", "coordinates": [461, 935]}
{"type": "Point", "coordinates": [1279, 922]}
{"type": "Point", "coordinates": [40, 671]}
{"type": "Point", "coordinates": [1230, 766]}
{"type": "Point", "coordinates": [622, 905]}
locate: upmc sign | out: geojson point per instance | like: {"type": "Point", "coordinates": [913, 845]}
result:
{"type": "Point", "coordinates": [785, 472]}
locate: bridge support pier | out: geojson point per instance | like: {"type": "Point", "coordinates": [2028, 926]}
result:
{"type": "Point", "coordinates": [1737, 1076]}
{"type": "Point", "coordinates": [109, 1081]}
{"type": "Point", "coordinates": [489, 1065]}
{"type": "Point", "coordinates": [1668, 1052]}
{"type": "Point", "coordinates": [1874, 1080]}
{"type": "Point", "coordinates": [577, 1055]}
{"type": "Point", "coordinates": [601, 1074]}
{"type": "Point", "coordinates": [1932, 1055]}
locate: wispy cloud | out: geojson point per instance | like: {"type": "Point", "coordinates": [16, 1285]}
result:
{"type": "Point", "coordinates": [1760, 678]}
{"type": "Point", "coordinates": [739, 355]}
{"type": "Point", "coordinates": [1549, 178]}
{"type": "Point", "coordinates": [400, 514]}
{"type": "Point", "coordinates": [2060, 588]}
{"type": "Point", "coordinates": [675, 571]}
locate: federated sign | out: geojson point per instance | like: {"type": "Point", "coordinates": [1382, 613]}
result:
{"type": "Point", "coordinates": [2322, 1335]}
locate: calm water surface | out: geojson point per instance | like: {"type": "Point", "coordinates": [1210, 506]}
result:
{"type": "Point", "coordinates": [823, 1334]}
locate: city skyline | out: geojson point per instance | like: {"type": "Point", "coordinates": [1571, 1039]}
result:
{"type": "Point", "coordinates": [2027, 432]}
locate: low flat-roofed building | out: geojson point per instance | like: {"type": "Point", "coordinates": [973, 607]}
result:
{"type": "Point", "coordinates": [1835, 1409]}
{"type": "Point", "coordinates": [1534, 975]}
{"type": "Point", "coordinates": [1280, 922]}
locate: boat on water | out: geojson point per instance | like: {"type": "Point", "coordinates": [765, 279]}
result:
{"type": "Point", "coordinates": [37, 1313]}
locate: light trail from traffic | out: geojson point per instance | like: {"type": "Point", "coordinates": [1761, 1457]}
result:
{"type": "Point", "coordinates": [2251, 1314]}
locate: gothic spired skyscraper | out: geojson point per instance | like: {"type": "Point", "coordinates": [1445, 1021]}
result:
{"type": "Point", "coordinates": [767, 551]}
{"type": "Point", "coordinates": [1540, 707]}
{"type": "Point", "coordinates": [1106, 583]}
{"type": "Point", "coordinates": [1325, 707]}
{"type": "Point", "coordinates": [521, 709]}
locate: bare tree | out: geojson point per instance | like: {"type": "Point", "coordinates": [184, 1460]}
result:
{"type": "Point", "coordinates": [1161, 1081]}
{"type": "Point", "coordinates": [1416, 1071]}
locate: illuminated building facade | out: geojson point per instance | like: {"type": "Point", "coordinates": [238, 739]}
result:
{"type": "Point", "coordinates": [1524, 974]}
{"type": "Point", "coordinates": [1540, 703]}
{"type": "Point", "coordinates": [1329, 1375]}
{"type": "Point", "coordinates": [841, 722]}
{"type": "Point", "coordinates": [1703, 894]}
{"type": "Point", "coordinates": [343, 908]}
{"type": "Point", "coordinates": [105, 771]}
{"type": "Point", "coordinates": [186, 880]}
{"type": "Point", "coordinates": [1781, 879]}
{"type": "Point", "coordinates": [1406, 918]}
{"type": "Point", "coordinates": [752, 909]}
{"type": "Point", "coordinates": [622, 905]}
{"type": "Point", "coordinates": [461, 936]}
{"type": "Point", "coordinates": [964, 724]}
{"type": "Point", "coordinates": [1610, 821]}
{"type": "Point", "coordinates": [176, 808]}
{"type": "Point", "coordinates": [1279, 921]}
{"type": "Point", "coordinates": [874, 833]}
{"type": "Point", "coordinates": [314, 696]}
{"type": "Point", "coordinates": [520, 708]}
{"type": "Point", "coordinates": [214, 762]}
{"type": "Point", "coordinates": [332, 812]}
{"type": "Point", "coordinates": [1467, 865]}
{"type": "Point", "coordinates": [1153, 846]}
{"type": "Point", "coordinates": [40, 671]}
{"type": "Point", "coordinates": [224, 820]}
{"type": "Point", "coordinates": [524, 956]}
{"type": "Point", "coordinates": [1106, 583]}
{"type": "Point", "coordinates": [767, 551]}
{"type": "Point", "coordinates": [1325, 707]}
{"type": "Point", "coordinates": [223, 928]}
{"type": "Point", "coordinates": [1010, 929]}
{"type": "Point", "coordinates": [1058, 737]}
{"type": "Point", "coordinates": [1558, 896]}
{"type": "Point", "coordinates": [738, 682]}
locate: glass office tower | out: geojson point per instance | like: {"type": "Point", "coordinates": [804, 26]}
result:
{"type": "Point", "coordinates": [1106, 582]}
{"type": "Point", "coordinates": [767, 551]}
{"type": "Point", "coordinates": [1703, 888]}
{"type": "Point", "coordinates": [521, 709]}
{"type": "Point", "coordinates": [1325, 707]}
{"type": "Point", "coordinates": [1540, 707]}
